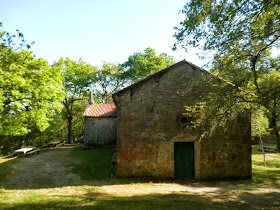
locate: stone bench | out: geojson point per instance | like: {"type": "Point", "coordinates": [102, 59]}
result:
{"type": "Point", "coordinates": [60, 144]}
{"type": "Point", "coordinates": [32, 152]}
{"type": "Point", "coordinates": [55, 144]}
{"type": "Point", "coordinates": [23, 151]}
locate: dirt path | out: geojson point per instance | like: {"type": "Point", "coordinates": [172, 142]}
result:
{"type": "Point", "coordinates": [267, 156]}
{"type": "Point", "coordinates": [48, 169]}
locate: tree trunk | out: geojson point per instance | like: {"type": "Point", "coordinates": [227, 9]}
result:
{"type": "Point", "coordinates": [69, 118]}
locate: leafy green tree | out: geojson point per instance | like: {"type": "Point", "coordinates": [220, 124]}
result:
{"type": "Point", "coordinates": [240, 34]}
{"type": "Point", "coordinates": [268, 80]}
{"type": "Point", "coordinates": [77, 78]}
{"type": "Point", "coordinates": [141, 64]}
{"type": "Point", "coordinates": [30, 91]}
{"type": "Point", "coordinates": [241, 26]}
{"type": "Point", "coordinates": [239, 31]}
{"type": "Point", "coordinates": [78, 119]}
{"type": "Point", "coordinates": [259, 127]}
{"type": "Point", "coordinates": [108, 80]}
{"type": "Point", "coordinates": [269, 98]}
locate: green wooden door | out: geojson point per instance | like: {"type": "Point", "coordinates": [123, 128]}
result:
{"type": "Point", "coordinates": [184, 160]}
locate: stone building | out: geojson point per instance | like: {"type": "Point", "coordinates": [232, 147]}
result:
{"type": "Point", "coordinates": [152, 138]}
{"type": "Point", "coordinates": [100, 126]}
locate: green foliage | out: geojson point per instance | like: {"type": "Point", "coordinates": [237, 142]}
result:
{"type": "Point", "coordinates": [239, 26]}
{"type": "Point", "coordinates": [94, 164]}
{"type": "Point", "coordinates": [140, 65]}
{"type": "Point", "coordinates": [241, 34]}
{"type": "Point", "coordinates": [30, 91]}
{"type": "Point", "coordinates": [78, 120]}
{"type": "Point", "coordinates": [219, 109]}
{"type": "Point", "coordinates": [78, 76]}
{"type": "Point", "coordinates": [195, 114]}
{"type": "Point", "coordinates": [108, 80]}
{"type": "Point", "coordinates": [269, 85]}
{"type": "Point", "coordinates": [259, 122]}
{"type": "Point", "coordinates": [263, 86]}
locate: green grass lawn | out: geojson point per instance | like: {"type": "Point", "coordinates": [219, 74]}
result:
{"type": "Point", "coordinates": [95, 165]}
{"type": "Point", "coordinates": [269, 174]}
{"type": "Point", "coordinates": [45, 199]}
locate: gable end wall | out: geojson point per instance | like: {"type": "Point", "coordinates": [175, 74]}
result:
{"type": "Point", "coordinates": [149, 124]}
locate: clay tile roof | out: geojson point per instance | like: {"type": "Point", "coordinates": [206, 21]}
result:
{"type": "Point", "coordinates": [101, 110]}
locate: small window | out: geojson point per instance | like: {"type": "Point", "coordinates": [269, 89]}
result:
{"type": "Point", "coordinates": [184, 121]}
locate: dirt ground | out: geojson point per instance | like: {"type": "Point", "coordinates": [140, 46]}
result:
{"type": "Point", "coordinates": [50, 169]}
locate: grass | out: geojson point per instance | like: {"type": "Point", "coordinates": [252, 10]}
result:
{"type": "Point", "coordinates": [44, 199]}
{"type": "Point", "coordinates": [5, 170]}
{"type": "Point", "coordinates": [96, 165]}
{"type": "Point", "coordinates": [93, 164]}
{"type": "Point", "coordinates": [269, 174]}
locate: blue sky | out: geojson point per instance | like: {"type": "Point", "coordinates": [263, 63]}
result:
{"type": "Point", "coordinates": [96, 30]}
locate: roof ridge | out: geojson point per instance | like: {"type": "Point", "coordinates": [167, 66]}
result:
{"type": "Point", "coordinates": [150, 76]}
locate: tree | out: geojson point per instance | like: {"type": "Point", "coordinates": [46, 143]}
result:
{"type": "Point", "coordinates": [77, 78]}
{"type": "Point", "coordinates": [241, 30]}
{"type": "Point", "coordinates": [241, 34]}
{"type": "Point", "coordinates": [108, 80]}
{"type": "Point", "coordinates": [140, 65]}
{"type": "Point", "coordinates": [30, 91]}
{"type": "Point", "coordinates": [230, 26]}
{"type": "Point", "coordinates": [78, 119]}
{"type": "Point", "coordinates": [269, 98]}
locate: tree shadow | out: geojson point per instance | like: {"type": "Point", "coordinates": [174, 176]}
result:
{"type": "Point", "coordinates": [99, 200]}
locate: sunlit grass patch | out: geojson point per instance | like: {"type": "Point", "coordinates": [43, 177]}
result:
{"type": "Point", "coordinates": [93, 199]}
{"type": "Point", "coordinates": [51, 198]}
{"type": "Point", "coordinates": [266, 174]}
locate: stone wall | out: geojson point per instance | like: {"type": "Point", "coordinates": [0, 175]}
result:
{"type": "Point", "coordinates": [149, 117]}
{"type": "Point", "coordinates": [99, 131]}
{"type": "Point", "coordinates": [228, 155]}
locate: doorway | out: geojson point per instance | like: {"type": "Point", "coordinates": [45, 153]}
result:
{"type": "Point", "coordinates": [184, 160]}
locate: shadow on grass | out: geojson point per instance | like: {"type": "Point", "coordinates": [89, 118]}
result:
{"type": "Point", "coordinates": [5, 171]}
{"type": "Point", "coordinates": [95, 200]}
{"type": "Point", "coordinates": [91, 201]}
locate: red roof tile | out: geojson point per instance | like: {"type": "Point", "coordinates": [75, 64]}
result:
{"type": "Point", "coordinates": [101, 110]}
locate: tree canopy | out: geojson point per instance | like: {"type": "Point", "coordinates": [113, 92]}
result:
{"type": "Point", "coordinates": [141, 64]}
{"type": "Point", "coordinates": [78, 76]}
{"type": "Point", "coordinates": [30, 91]}
{"type": "Point", "coordinates": [243, 26]}
{"type": "Point", "coordinates": [107, 80]}
{"type": "Point", "coordinates": [240, 34]}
